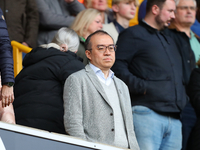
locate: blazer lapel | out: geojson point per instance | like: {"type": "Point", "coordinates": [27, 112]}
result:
{"type": "Point", "coordinates": [94, 79]}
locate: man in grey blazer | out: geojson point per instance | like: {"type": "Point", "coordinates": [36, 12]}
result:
{"type": "Point", "coordinates": [96, 103]}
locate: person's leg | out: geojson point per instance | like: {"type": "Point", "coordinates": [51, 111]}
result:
{"type": "Point", "coordinates": [172, 139]}
{"type": "Point", "coordinates": [188, 120]}
{"type": "Point", "coordinates": [149, 127]}
{"type": "Point", "coordinates": [193, 142]}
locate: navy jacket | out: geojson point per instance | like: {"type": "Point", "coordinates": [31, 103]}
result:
{"type": "Point", "coordinates": [183, 44]}
{"type": "Point", "coordinates": [149, 63]}
{"type": "Point", "coordinates": [6, 59]}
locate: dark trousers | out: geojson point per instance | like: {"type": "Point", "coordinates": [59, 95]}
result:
{"type": "Point", "coordinates": [188, 119]}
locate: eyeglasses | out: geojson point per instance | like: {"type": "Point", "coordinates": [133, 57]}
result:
{"type": "Point", "coordinates": [193, 8]}
{"type": "Point", "coordinates": [103, 48]}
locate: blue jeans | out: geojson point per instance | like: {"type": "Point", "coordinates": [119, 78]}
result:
{"type": "Point", "coordinates": [156, 132]}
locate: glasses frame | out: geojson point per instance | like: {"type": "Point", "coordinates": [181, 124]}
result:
{"type": "Point", "coordinates": [105, 48]}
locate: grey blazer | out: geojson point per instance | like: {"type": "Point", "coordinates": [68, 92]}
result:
{"type": "Point", "coordinates": [87, 112]}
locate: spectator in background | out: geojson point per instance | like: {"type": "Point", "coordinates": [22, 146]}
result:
{"type": "Point", "coordinates": [22, 20]}
{"type": "Point", "coordinates": [194, 93]}
{"type": "Point", "coordinates": [97, 104]}
{"type": "Point", "coordinates": [195, 27]}
{"type": "Point", "coordinates": [39, 86]}
{"type": "Point", "coordinates": [86, 22]}
{"type": "Point", "coordinates": [124, 11]}
{"type": "Point", "coordinates": [189, 48]}
{"type": "Point", "coordinates": [186, 42]}
{"type": "Point", "coordinates": [6, 65]}
{"type": "Point", "coordinates": [148, 61]}
{"type": "Point", "coordinates": [102, 6]}
{"type": "Point", "coordinates": [55, 14]}
{"type": "Point", "coordinates": [7, 75]}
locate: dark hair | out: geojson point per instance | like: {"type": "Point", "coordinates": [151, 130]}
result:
{"type": "Point", "coordinates": [88, 44]}
{"type": "Point", "coordinates": [150, 4]}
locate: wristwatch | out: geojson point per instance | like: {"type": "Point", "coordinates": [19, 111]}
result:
{"type": "Point", "coordinates": [9, 84]}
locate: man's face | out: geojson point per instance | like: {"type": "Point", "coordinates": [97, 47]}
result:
{"type": "Point", "coordinates": [185, 13]}
{"type": "Point", "coordinates": [100, 5]}
{"type": "Point", "coordinates": [104, 60]}
{"type": "Point", "coordinates": [166, 14]}
{"type": "Point", "coordinates": [126, 10]}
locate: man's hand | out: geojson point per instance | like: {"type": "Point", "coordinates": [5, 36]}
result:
{"type": "Point", "coordinates": [7, 95]}
{"type": "Point", "coordinates": [69, 1]}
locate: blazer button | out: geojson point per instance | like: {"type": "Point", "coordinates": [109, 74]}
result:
{"type": "Point", "coordinates": [111, 114]}
{"type": "Point", "coordinates": [112, 129]}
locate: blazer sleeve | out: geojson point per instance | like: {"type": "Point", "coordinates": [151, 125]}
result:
{"type": "Point", "coordinates": [73, 115]}
{"type": "Point", "coordinates": [126, 51]}
{"type": "Point", "coordinates": [32, 23]}
{"type": "Point", "coordinates": [6, 59]}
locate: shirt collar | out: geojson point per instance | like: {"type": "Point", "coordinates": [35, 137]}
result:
{"type": "Point", "coordinates": [148, 27]}
{"type": "Point", "coordinates": [97, 71]}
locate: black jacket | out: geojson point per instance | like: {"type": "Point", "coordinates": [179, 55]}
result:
{"type": "Point", "coordinates": [194, 93]}
{"type": "Point", "coordinates": [39, 88]}
{"type": "Point", "coordinates": [194, 90]}
{"type": "Point", "coordinates": [183, 44]}
{"type": "Point", "coordinates": [149, 63]}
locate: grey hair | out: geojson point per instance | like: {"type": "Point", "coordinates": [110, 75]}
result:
{"type": "Point", "coordinates": [67, 36]}
{"type": "Point", "coordinates": [177, 2]}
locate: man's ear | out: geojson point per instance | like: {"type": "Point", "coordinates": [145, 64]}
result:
{"type": "Point", "coordinates": [88, 54]}
{"type": "Point", "coordinates": [115, 8]}
{"type": "Point", "coordinates": [155, 10]}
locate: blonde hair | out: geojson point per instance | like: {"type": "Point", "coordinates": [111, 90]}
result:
{"type": "Point", "coordinates": [115, 2]}
{"type": "Point", "coordinates": [83, 20]}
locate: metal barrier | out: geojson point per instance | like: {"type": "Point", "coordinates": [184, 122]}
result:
{"type": "Point", "coordinates": [17, 137]}
{"type": "Point", "coordinates": [18, 48]}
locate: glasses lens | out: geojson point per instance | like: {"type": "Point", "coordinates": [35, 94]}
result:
{"type": "Point", "coordinates": [111, 48]}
